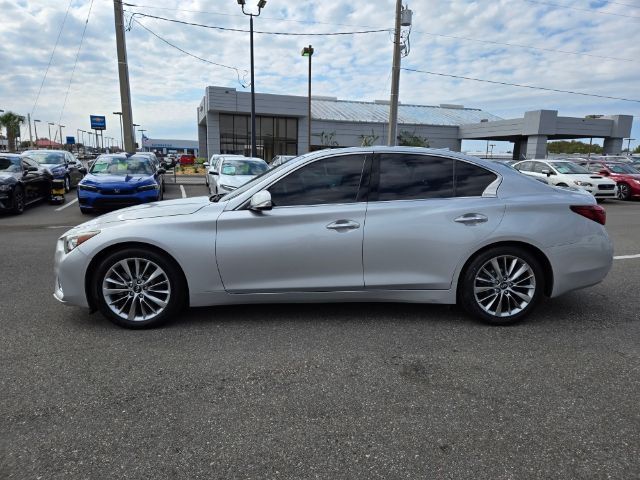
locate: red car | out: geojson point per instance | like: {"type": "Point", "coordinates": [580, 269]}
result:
{"type": "Point", "coordinates": [187, 159]}
{"type": "Point", "coordinates": [626, 176]}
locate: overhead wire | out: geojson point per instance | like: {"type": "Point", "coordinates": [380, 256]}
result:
{"type": "Point", "coordinates": [55, 45]}
{"type": "Point", "coordinates": [84, 31]}
{"type": "Point", "coordinates": [242, 81]}
{"type": "Point", "coordinates": [533, 87]}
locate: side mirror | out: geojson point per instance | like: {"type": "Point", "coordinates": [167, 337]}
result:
{"type": "Point", "coordinates": [546, 171]}
{"type": "Point", "coordinates": [83, 170]}
{"type": "Point", "coordinates": [261, 201]}
{"type": "Point", "coordinates": [30, 170]}
{"type": "Point", "coordinates": [161, 170]}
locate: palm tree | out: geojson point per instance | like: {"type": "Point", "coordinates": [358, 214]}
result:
{"type": "Point", "coordinates": [11, 122]}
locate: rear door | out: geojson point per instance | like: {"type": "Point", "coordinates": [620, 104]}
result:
{"type": "Point", "coordinates": [424, 215]}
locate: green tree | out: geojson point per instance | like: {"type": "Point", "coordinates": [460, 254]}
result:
{"type": "Point", "coordinates": [637, 150]}
{"type": "Point", "coordinates": [11, 121]}
{"type": "Point", "coordinates": [410, 139]}
{"type": "Point", "coordinates": [573, 146]}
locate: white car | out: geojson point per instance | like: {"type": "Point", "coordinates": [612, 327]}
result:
{"type": "Point", "coordinates": [280, 159]}
{"type": "Point", "coordinates": [231, 172]}
{"type": "Point", "coordinates": [563, 173]}
{"type": "Point", "coordinates": [213, 165]}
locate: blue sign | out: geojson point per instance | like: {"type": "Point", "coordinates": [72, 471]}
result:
{"type": "Point", "coordinates": [98, 122]}
{"type": "Point", "coordinates": [71, 140]}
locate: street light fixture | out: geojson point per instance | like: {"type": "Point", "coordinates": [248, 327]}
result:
{"type": "Point", "coordinates": [121, 129]}
{"type": "Point", "coordinates": [261, 5]}
{"type": "Point", "coordinates": [308, 52]}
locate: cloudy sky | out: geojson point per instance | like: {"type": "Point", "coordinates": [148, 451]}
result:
{"type": "Point", "coordinates": [580, 45]}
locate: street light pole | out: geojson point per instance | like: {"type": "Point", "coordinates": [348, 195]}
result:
{"type": "Point", "coordinates": [142, 130]}
{"type": "Point", "coordinates": [50, 134]}
{"type": "Point", "coordinates": [134, 136]}
{"type": "Point", "coordinates": [123, 75]}
{"type": "Point", "coordinates": [35, 127]}
{"type": "Point", "coordinates": [121, 136]}
{"type": "Point", "coordinates": [261, 4]}
{"type": "Point", "coordinates": [629, 145]}
{"type": "Point", "coordinates": [308, 52]}
{"type": "Point", "coordinates": [61, 127]}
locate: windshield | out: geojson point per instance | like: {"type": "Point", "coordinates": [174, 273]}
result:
{"type": "Point", "coordinates": [121, 166]}
{"type": "Point", "coordinates": [621, 168]}
{"type": "Point", "coordinates": [569, 168]}
{"type": "Point", "coordinates": [243, 167]}
{"type": "Point", "coordinates": [50, 158]}
{"type": "Point", "coordinates": [9, 164]}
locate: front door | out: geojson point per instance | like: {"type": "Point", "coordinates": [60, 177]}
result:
{"type": "Point", "coordinates": [311, 240]}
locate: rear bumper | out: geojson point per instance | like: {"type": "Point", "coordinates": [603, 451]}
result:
{"type": "Point", "coordinates": [581, 264]}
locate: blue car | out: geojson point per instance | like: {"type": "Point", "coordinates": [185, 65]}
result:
{"type": "Point", "coordinates": [116, 181]}
{"type": "Point", "coordinates": [60, 164]}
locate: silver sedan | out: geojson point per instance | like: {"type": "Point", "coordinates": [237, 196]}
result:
{"type": "Point", "coordinates": [361, 224]}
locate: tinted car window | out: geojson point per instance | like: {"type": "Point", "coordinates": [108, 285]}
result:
{"type": "Point", "coordinates": [411, 177]}
{"type": "Point", "coordinates": [471, 180]}
{"type": "Point", "coordinates": [331, 180]}
{"type": "Point", "coordinates": [29, 162]}
{"type": "Point", "coordinates": [524, 166]}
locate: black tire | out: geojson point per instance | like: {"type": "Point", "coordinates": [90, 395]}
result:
{"type": "Point", "coordinates": [624, 192]}
{"type": "Point", "coordinates": [171, 276]}
{"type": "Point", "coordinates": [505, 290]}
{"type": "Point", "coordinates": [18, 200]}
{"type": "Point", "coordinates": [67, 184]}
{"type": "Point", "coordinates": [85, 211]}
{"type": "Point", "coordinates": [161, 194]}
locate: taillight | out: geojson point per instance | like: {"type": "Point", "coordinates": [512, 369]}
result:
{"type": "Point", "coordinates": [592, 212]}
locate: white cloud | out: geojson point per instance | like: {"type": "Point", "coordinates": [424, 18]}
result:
{"type": "Point", "coordinates": [167, 85]}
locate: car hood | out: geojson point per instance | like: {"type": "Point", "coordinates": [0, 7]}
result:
{"type": "Point", "coordinates": [589, 177]}
{"type": "Point", "coordinates": [112, 179]}
{"type": "Point", "coordinates": [235, 180]}
{"type": "Point", "coordinates": [167, 208]}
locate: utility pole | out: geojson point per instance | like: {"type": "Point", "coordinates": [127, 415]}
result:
{"type": "Point", "coordinates": [123, 74]}
{"type": "Point", "coordinates": [395, 72]}
{"type": "Point", "coordinates": [30, 136]}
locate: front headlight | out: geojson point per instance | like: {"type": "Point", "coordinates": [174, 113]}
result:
{"type": "Point", "coordinates": [88, 188]}
{"type": "Point", "coordinates": [637, 181]}
{"type": "Point", "coordinates": [583, 184]}
{"type": "Point", "coordinates": [143, 188]}
{"type": "Point", "coordinates": [6, 188]}
{"type": "Point", "coordinates": [227, 187]}
{"type": "Point", "coordinates": [73, 240]}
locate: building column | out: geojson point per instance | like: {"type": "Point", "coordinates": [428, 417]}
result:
{"type": "Point", "coordinates": [202, 142]}
{"type": "Point", "coordinates": [536, 146]}
{"type": "Point", "coordinates": [520, 149]}
{"type": "Point", "coordinates": [612, 146]}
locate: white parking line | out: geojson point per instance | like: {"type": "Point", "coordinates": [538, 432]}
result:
{"type": "Point", "coordinates": [66, 205]}
{"type": "Point", "coordinates": [184, 194]}
{"type": "Point", "coordinates": [624, 257]}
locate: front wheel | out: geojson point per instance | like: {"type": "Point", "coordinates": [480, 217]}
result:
{"type": "Point", "coordinates": [18, 201]}
{"type": "Point", "coordinates": [502, 285]}
{"type": "Point", "coordinates": [67, 184]}
{"type": "Point", "coordinates": [137, 288]}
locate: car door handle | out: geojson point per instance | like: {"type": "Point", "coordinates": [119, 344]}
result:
{"type": "Point", "coordinates": [471, 218]}
{"type": "Point", "coordinates": [343, 225]}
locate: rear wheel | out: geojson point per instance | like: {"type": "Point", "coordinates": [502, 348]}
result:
{"type": "Point", "coordinates": [18, 200]}
{"type": "Point", "coordinates": [137, 288]}
{"type": "Point", "coordinates": [502, 285]}
{"type": "Point", "coordinates": [623, 191]}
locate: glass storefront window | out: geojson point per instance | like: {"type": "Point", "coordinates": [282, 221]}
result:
{"type": "Point", "coordinates": [274, 135]}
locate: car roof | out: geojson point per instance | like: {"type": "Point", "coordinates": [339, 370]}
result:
{"type": "Point", "coordinates": [10, 155]}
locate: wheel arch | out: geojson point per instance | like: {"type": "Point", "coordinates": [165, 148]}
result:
{"type": "Point", "coordinates": [535, 251]}
{"type": "Point", "coordinates": [104, 253]}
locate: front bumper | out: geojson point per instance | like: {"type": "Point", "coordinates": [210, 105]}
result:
{"type": "Point", "coordinates": [100, 201]}
{"type": "Point", "coordinates": [6, 200]}
{"type": "Point", "coordinates": [70, 270]}
{"type": "Point", "coordinates": [601, 192]}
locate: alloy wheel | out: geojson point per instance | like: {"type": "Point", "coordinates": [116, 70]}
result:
{"type": "Point", "coordinates": [18, 201]}
{"type": "Point", "coordinates": [623, 191]}
{"type": "Point", "coordinates": [136, 289]}
{"type": "Point", "coordinates": [67, 184]}
{"type": "Point", "coordinates": [504, 286]}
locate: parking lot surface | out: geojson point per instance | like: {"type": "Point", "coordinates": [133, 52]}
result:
{"type": "Point", "coordinates": [316, 391]}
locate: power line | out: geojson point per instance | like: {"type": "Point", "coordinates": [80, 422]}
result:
{"type": "Point", "coordinates": [521, 86]}
{"type": "Point", "coordinates": [581, 9]}
{"type": "Point", "coordinates": [467, 39]}
{"type": "Point", "coordinates": [214, 27]}
{"type": "Point", "coordinates": [568, 52]}
{"type": "Point", "coordinates": [84, 30]}
{"type": "Point", "coordinates": [51, 58]}
{"type": "Point", "coordinates": [237, 70]}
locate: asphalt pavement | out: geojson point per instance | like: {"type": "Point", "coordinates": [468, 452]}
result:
{"type": "Point", "coordinates": [341, 391]}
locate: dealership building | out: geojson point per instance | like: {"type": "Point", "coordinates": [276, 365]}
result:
{"type": "Point", "coordinates": [164, 146]}
{"type": "Point", "coordinates": [282, 124]}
